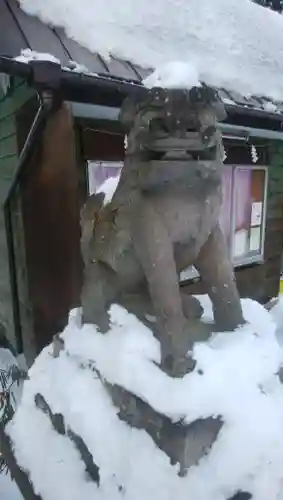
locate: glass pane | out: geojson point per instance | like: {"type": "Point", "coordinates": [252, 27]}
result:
{"type": "Point", "coordinates": [99, 172]}
{"type": "Point", "coordinates": [257, 213]}
{"type": "Point", "coordinates": [249, 186]}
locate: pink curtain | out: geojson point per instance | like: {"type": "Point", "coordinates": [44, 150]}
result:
{"type": "Point", "coordinates": [242, 194]}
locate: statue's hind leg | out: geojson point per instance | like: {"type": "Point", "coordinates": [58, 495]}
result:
{"type": "Point", "coordinates": [217, 274]}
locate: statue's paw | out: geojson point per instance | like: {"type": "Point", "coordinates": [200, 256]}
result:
{"type": "Point", "coordinates": [178, 367]}
{"type": "Point", "coordinates": [176, 362]}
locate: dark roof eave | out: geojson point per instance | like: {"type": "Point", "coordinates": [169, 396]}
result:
{"type": "Point", "coordinates": [256, 112]}
{"type": "Point", "coordinates": [95, 89]}
{"type": "Point", "coordinates": [79, 87]}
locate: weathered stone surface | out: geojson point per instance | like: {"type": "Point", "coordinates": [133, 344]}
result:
{"type": "Point", "coordinates": [58, 345]}
{"type": "Point", "coordinates": [184, 444]}
{"type": "Point", "coordinates": [58, 424]}
{"type": "Point", "coordinates": [280, 374]}
{"type": "Point", "coordinates": [241, 495]}
{"type": "Point", "coordinates": [163, 218]}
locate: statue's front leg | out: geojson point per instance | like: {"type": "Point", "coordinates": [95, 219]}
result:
{"type": "Point", "coordinates": [155, 252]}
{"type": "Point", "coordinates": [217, 274]}
{"type": "Point", "coordinates": [100, 289]}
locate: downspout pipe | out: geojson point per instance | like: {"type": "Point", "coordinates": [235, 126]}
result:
{"type": "Point", "coordinates": [45, 107]}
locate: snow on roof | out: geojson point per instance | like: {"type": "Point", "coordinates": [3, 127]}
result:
{"type": "Point", "coordinates": [176, 74]}
{"type": "Point", "coordinates": [235, 44]}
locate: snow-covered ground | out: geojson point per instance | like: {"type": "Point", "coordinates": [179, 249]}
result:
{"type": "Point", "coordinates": [8, 489]}
{"type": "Point", "coordinates": [236, 376]}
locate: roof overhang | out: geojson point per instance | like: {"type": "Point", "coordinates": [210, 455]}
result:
{"type": "Point", "coordinates": [102, 90]}
{"type": "Point", "coordinates": [108, 113]}
{"type": "Point", "coordinates": [91, 89]}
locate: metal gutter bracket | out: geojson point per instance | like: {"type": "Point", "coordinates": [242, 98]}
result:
{"type": "Point", "coordinates": [46, 75]}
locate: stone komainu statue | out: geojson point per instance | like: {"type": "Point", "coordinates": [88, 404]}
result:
{"type": "Point", "coordinates": [163, 218]}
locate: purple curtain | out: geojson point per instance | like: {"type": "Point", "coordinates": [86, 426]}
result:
{"type": "Point", "coordinates": [242, 194]}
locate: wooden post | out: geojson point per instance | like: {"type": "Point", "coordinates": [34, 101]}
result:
{"type": "Point", "coordinates": [50, 205]}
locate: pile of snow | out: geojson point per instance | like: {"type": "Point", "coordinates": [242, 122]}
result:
{"type": "Point", "coordinates": [235, 44]}
{"type": "Point", "coordinates": [8, 489]}
{"type": "Point", "coordinates": [175, 75]}
{"type": "Point", "coordinates": [235, 377]}
{"type": "Point", "coordinates": [27, 56]}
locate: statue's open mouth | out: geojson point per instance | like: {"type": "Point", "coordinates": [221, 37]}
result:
{"type": "Point", "coordinates": [188, 140]}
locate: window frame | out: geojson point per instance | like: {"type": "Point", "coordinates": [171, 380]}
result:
{"type": "Point", "coordinates": [191, 273]}
{"type": "Point", "coordinates": [256, 258]}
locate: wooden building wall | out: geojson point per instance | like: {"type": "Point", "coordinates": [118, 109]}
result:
{"type": "Point", "coordinates": [9, 104]}
{"type": "Point", "coordinates": [274, 223]}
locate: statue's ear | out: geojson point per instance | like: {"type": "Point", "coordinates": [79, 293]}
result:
{"type": "Point", "coordinates": [128, 111]}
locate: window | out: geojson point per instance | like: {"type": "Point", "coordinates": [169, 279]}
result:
{"type": "Point", "coordinates": [243, 212]}
{"type": "Point", "coordinates": [244, 203]}
{"type": "Point", "coordinates": [99, 172]}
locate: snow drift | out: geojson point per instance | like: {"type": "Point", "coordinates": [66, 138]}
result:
{"type": "Point", "coordinates": [236, 376]}
{"type": "Point", "coordinates": [234, 44]}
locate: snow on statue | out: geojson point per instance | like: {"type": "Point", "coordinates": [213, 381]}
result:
{"type": "Point", "coordinates": [236, 377]}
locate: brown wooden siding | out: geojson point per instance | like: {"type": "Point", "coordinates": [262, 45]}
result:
{"type": "Point", "coordinates": [49, 195]}
{"type": "Point", "coordinates": [103, 145]}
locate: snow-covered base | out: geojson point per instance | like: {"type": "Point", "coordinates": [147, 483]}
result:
{"type": "Point", "coordinates": [235, 377]}
{"type": "Point", "coordinates": [8, 489]}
